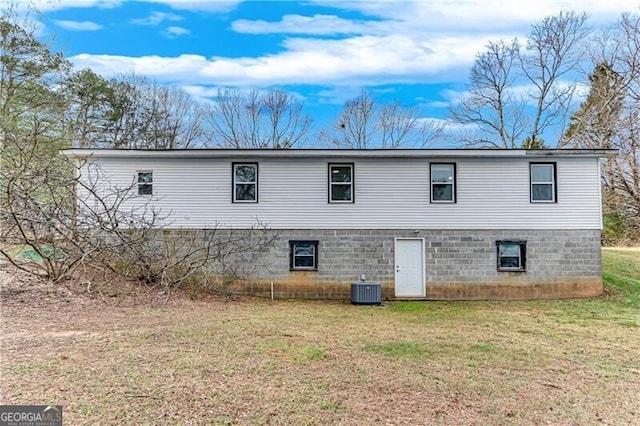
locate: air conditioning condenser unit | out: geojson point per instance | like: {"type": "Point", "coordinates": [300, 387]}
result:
{"type": "Point", "coordinates": [366, 294]}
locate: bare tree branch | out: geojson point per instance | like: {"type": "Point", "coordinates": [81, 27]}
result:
{"type": "Point", "coordinates": [259, 120]}
{"type": "Point", "coordinates": [516, 93]}
{"type": "Point", "coordinates": [365, 124]}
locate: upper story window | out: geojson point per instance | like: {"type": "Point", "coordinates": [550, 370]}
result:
{"type": "Point", "coordinates": [443, 182]}
{"type": "Point", "coordinates": [145, 182]}
{"type": "Point", "coordinates": [543, 182]}
{"type": "Point", "coordinates": [341, 183]}
{"type": "Point", "coordinates": [245, 182]}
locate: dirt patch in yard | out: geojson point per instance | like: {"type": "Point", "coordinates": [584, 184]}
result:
{"type": "Point", "coordinates": [146, 359]}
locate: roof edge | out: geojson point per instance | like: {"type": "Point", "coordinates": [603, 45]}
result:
{"type": "Point", "coordinates": [332, 153]}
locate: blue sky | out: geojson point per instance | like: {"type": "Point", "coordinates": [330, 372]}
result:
{"type": "Point", "coordinates": [323, 51]}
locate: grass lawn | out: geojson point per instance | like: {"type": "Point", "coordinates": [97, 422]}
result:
{"type": "Point", "coordinates": [254, 361]}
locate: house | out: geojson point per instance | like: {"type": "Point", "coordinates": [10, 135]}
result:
{"type": "Point", "coordinates": [426, 224]}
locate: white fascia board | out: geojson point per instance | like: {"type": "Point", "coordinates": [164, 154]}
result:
{"type": "Point", "coordinates": [335, 153]}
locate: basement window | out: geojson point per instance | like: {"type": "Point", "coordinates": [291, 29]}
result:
{"type": "Point", "coordinates": [303, 255]}
{"type": "Point", "coordinates": [512, 255]}
{"type": "Point", "coordinates": [145, 182]}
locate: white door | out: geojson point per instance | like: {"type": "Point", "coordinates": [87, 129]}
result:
{"type": "Point", "coordinates": [410, 267]}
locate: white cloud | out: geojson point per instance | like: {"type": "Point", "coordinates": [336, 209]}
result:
{"type": "Point", "coordinates": [48, 5]}
{"type": "Point", "coordinates": [156, 18]}
{"type": "Point", "coordinates": [78, 25]}
{"type": "Point", "coordinates": [447, 126]}
{"type": "Point", "coordinates": [407, 42]}
{"type": "Point", "coordinates": [164, 69]}
{"type": "Point", "coordinates": [366, 59]}
{"type": "Point", "coordinates": [338, 95]}
{"type": "Point", "coordinates": [443, 14]}
{"type": "Point", "coordinates": [172, 32]}
{"type": "Point", "coordinates": [209, 94]}
{"type": "Point", "coordinates": [202, 92]}
{"type": "Point", "coordinates": [214, 6]}
{"type": "Point", "coordinates": [437, 104]}
{"type": "Point", "coordinates": [450, 97]}
{"type": "Point", "coordinates": [311, 25]}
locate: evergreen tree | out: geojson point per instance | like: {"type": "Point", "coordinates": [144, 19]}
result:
{"type": "Point", "coordinates": [531, 142]}
{"type": "Point", "coordinates": [596, 122]}
{"type": "Point", "coordinates": [30, 106]}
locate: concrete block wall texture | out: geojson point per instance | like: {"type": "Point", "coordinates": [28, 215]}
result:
{"type": "Point", "coordinates": [459, 264]}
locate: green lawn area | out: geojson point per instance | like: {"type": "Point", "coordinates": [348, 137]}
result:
{"type": "Point", "coordinates": [255, 361]}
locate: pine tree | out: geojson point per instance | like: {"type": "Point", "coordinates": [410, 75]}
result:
{"type": "Point", "coordinates": [533, 143]}
{"type": "Point", "coordinates": [594, 124]}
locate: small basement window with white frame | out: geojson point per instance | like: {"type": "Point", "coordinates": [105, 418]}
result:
{"type": "Point", "coordinates": [341, 183]}
{"type": "Point", "coordinates": [245, 182]}
{"type": "Point", "coordinates": [543, 182]}
{"type": "Point", "coordinates": [303, 255]}
{"type": "Point", "coordinates": [443, 182]}
{"type": "Point", "coordinates": [512, 255]}
{"type": "Point", "coordinates": [145, 182]}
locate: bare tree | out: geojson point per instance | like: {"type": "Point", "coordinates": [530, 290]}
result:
{"type": "Point", "coordinates": [554, 50]}
{"type": "Point", "coordinates": [355, 127]}
{"type": "Point", "coordinates": [608, 118]}
{"type": "Point", "coordinates": [57, 215]}
{"type": "Point", "coordinates": [213, 259]}
{"type": "Point", "coordinates": [66, 216]}
{"type": "Point", "coordinates": [170, 117]}
{"type": "Point", "coordinates": [259, 120]}
{"type": "Point", "coordinates": [622, 173]}
{"type": "Point", "coordinates": [365, 124]}
{"type": "Point", "coordinates": [402, 127]}
{"type": "Point", "coordinates": [518, 93]}
{"type": "Point", "coordinates": [50, 236]}
{"type": "Point", "coordinates": [491, 104]}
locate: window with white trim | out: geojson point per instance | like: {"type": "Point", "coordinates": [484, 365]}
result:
{"type": "Point", "coordinates": [512, 255]}
{"type": "Point", "coordinates": [543, 182]}
{"type": "Point", "coordinates": [341, 183]}
{"type": "Point", "coordinates": [245, 182]}
{"type": "Point", "coordinates": [443, 182]}
{"type": "Point", "coordinates": [303, 255]}
{"type": "Point", "coordinates": [145, 182]}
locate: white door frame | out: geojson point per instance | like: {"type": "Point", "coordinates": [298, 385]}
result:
{"type": "Point", "coordinates": [423, 260]}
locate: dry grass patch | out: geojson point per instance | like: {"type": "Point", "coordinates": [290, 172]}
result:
{"type": "Point", "coordinates": [291, 362]}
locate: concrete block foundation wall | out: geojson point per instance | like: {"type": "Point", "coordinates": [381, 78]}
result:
{"type": "Point", "coordinates": [460, 264]}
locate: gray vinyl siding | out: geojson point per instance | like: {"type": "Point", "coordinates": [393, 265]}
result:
{"type": "Point", "coordinates": [492, 193]}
